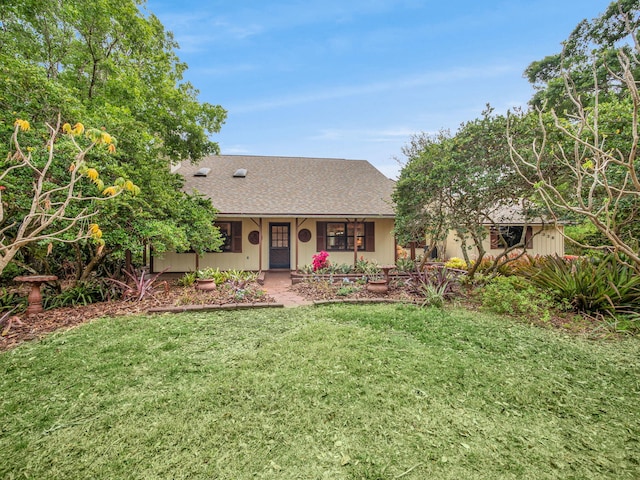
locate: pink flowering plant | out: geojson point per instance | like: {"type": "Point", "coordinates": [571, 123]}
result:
{"type": "Point", "coordinates": [320, 261]}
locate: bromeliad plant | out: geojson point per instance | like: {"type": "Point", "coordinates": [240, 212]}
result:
{"type": "Point", "coordinates": [431, 283]}
{"type": "Point", "coordinates": [141, 286]}
{"type": "Point", "coordinates": [596, 286]}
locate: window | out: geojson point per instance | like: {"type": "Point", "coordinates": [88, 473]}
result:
{"type": "Point", "coordinates": [231, 233]}
{"type": "Point", "coordinates": [336, 236]}
{"type": "Point", "coordinates": [505, 236]}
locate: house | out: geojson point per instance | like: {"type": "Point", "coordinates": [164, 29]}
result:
{"type": "Point", "coordinates": [506, 228]}
{"type": "Point", "coordinates": [277, 212]}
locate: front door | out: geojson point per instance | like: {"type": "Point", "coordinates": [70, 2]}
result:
{"type": "Point", "coordinates": [279, 245]}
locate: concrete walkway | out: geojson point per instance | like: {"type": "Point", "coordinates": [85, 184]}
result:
{"type": "Point", "coordinates": [278, 286]}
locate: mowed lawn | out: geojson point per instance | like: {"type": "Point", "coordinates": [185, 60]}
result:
{"type": "Point", "coordinates": [336, 392]}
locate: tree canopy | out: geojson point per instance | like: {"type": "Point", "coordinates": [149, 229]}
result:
{"type": "Point", "coordinates": [459, 183]}
{"type": "Point", "coordinates": [110, 64]}
{"type": "Point", "coordinates": [593, 146]}
{"type": "Point", "coordinates": [572, 156]}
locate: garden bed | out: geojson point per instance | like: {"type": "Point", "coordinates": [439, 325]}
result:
{"type": "Point", "coordinates": [174, 298]}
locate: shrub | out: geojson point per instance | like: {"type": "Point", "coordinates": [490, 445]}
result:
{"type": "Point", "coordinates": [213, 274]}
{"type": "Point", "coordinates": [320, 261]}
{"type": "Point", "coordinates": [515, 296]}
{"type": "Point", "coordinates": [188, 279]}
{"type": "Point", "coordinates": [81, 294]}
{"type": "Point", "coordinates": [141, 285]}
{"type": "Point", "coordinates": [591, 285]}
{"type": "Point", "coordinates": [434, 295]}
{"type": "Point", "coordinates": [455, 262]}
{"type": "Point", "coordinates": [12, 301]}
{"type": "Point", "coordinates": [513, 264]}
{"type": "Point", "coordinates": [404, 264]}
{"type": "Point", "coordinates": [347, 290]}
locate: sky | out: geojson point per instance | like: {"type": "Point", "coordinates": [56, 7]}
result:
{"type": "Point", "coordinates": [357, 78]}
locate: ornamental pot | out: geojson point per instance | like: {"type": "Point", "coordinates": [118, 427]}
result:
{"type": "Point", "coordinates": [206, 284]}
{"type": "Point", "coordinates": [378, 286]}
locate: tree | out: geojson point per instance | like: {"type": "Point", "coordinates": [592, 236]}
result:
{"type": "Point", "coordinates": [461, 184]}
{"type": "Point", "coordinates": [53, 208]}
{"type": "Point", "coordinates": [111, 65]}
{"type": "Point", "coordinates": [577, 65]}
{"type": "Point", "coordinates": [594, 146]}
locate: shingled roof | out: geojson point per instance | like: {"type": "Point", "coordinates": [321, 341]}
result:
{"type": "Point", "coordinates": [291, 186]}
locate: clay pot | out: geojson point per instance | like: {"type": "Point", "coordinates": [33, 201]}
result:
{"type": "Point", "coordinates": [207, 284]}
{"type": "Point", "coordinates": [378, 286]}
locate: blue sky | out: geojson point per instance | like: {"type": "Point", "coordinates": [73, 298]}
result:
{"type": "Point", "coordinates": [356, 78]}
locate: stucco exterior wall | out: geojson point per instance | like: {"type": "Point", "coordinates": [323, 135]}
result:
{"type": "Point", "coordinates": [384, 253]}
{"type": "Point", "coordinates": [256, 257]}
{"type": "Point", "coordinates": [547, 240]}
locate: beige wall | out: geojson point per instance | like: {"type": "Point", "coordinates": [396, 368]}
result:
{"type": "Point", "coordinates": [302, 252]}
{"type": "Point", "coordinates": [547, 240]}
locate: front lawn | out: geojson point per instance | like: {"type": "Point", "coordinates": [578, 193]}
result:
{"type": "Point", "coordinates": [336, 392]}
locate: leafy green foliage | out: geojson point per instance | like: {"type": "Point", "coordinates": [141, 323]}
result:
{"type": "Point", "coordinates": [80, 294]}
{"type": "Point", "coordinates": [591, 285]}
{"type": "Point", "coordinates": [584, 162]}
{"type": "Point", "coordinates": [458, 184]}
{"type": "Point", "coordinates": [589, 59]}
{"type": "Point", "coordinates": [112, 65]}
{"type": "Point", "coordinates": [11, 300]}
{"type": "Point", "coordinates": [188, 279]}
{"type": "Point", "coordinates": [405, 264]}
{"type": "Point", "coordinates": [515, 296]}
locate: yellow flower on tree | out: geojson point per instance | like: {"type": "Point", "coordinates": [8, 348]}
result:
{"type": "Point", "coordinates": [22, 125]}
{"type": "Point", "coordinates": [92, 174]}
{"type": "Point", "coordinates": [110, 191]}
{"type": "Point", "coordinates": [106, 138]}
{"type": "Point", "coordinates": [94, 231]}
{"type": "Point", "coordinates": [78, 129]}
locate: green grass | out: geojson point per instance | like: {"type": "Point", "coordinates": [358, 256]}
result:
{"type": "Point", "coordinates": [340, 392]}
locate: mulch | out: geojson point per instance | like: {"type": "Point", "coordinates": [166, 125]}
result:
{"type": "Point", "coordinates": [24, 328]}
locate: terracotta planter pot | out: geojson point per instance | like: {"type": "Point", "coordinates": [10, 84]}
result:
{"type": "Point", "coordinates": [206, 284]}
{"type": "Point", "coordinates": [378, 286]}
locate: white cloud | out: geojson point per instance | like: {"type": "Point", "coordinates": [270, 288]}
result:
{"type": "Point", "coordinates": [414, 81]}
{"type": "Point", "coordinates": [366, 135]}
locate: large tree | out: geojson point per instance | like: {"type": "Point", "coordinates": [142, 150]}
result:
{"type": "Point", "coordinates": [577, 66]}
{"type": "Point", "coordinates": [593, 145]}
{"type": "Point", "coordinates": [461, 184]}
{"type": "Point", "coordinates": [107, 63]}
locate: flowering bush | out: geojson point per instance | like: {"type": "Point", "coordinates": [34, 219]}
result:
{"type": "Point", "coordinates": [320, 261]}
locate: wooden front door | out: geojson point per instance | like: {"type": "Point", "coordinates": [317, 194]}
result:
{"type": "Point", "coordinates": [279, 245]}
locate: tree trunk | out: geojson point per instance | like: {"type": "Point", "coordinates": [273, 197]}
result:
{"type": "Point", "coordinates": [93, 263]}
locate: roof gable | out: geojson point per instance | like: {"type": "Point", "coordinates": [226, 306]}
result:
{"type": "Point", "coordinates": [291, 186]}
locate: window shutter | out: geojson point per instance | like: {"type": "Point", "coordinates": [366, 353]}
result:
{"type": "Point", "coordinates": [369, 236]}
{"type": "Point", "coordinates": [495, 238]}
{"type": "Point", "coordinates": [528, 237]}
{"type": "Point", "coordinates": [321, 233]}
{"type": "Point", "coordinates": [236, 237]}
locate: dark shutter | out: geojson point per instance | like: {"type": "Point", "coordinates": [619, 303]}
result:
{"type": "Point", "coordinates": [495, 238]}
{"type": "Point", "coordinates": [321, 233]}
{"type": "Point", "coordinates": [528, 237]}
{"type": "Point", "coordinates": [370, 236]}
{"type": "Point", "coordinates": [236, 237]}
